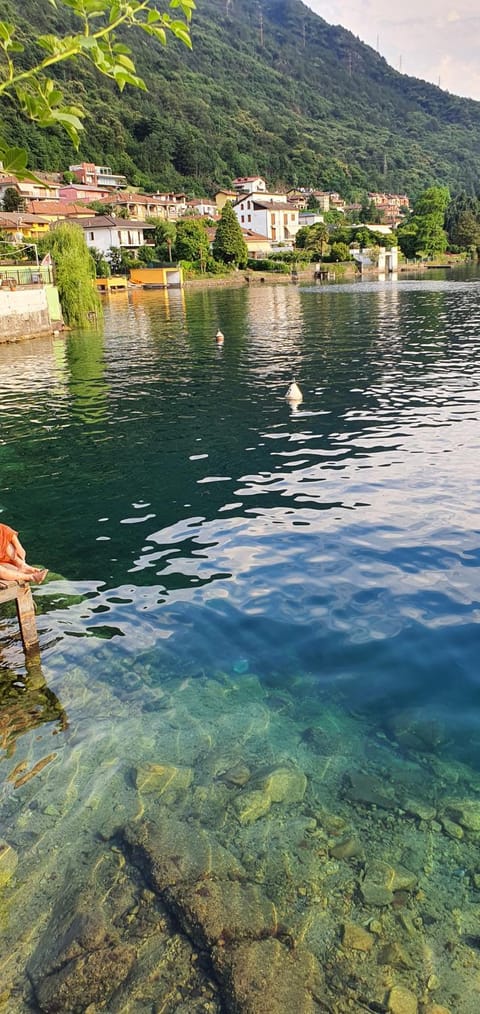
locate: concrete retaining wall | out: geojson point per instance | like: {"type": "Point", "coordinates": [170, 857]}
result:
{"type": "Point", "coordinates": [23, 311]}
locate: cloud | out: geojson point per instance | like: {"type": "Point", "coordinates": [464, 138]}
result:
{"type": "Point", "coordinates": [436, 41]}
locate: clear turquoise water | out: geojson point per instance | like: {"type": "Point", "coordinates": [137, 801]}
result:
{"type": "Point", "coordinates": [200, 526]}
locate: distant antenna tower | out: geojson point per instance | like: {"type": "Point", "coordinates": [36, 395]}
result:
{"type": "Point", "coordinates": [378, 43]}
{"type": "Point", "coordinates": [228, 6]}
{"type": "Point", "coordinates": [400, 63]}
{"type": "Point", "coordinates": [349, 64]}
{"type": "Point", "coordinates": [385, 164]}
{"type": "Point", "coordinates": [304, 33]}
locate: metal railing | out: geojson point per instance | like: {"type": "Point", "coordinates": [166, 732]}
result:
{"type": "Point", "coordinates": [12, 275]}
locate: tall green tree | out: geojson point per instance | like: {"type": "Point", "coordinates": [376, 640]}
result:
{"type": "Point", "coordinates": [317, 239]}
{"type": "Point", "coordinates": [462, 221]}
{"type": "Point", "coordinates": [192, 241]}
{"type": "Point", "coordinates": [423, 233]}
{"type": "Point", "coordinates": [229, 245]}
{"type": "Point", "coordinates": [25, 78]}
{"type": "Point", "coordinates": [75, 270]}
{"type": "Point", "coordinates": [164, 237]}
{"type": "Point", "coordinates": [12, 200]}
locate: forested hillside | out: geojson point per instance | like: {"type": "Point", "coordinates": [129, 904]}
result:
{"type": "Point", "coordinates": [269, 88]}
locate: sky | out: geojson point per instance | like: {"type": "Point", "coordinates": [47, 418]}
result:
{"type": "Point", "coordinates": [436, 40]}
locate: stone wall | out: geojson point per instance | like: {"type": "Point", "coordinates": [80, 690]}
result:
{"type": "Point", "coordinates": [23, 311]}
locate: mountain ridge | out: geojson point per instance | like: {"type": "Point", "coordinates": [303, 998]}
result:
{"type": "Point", "coordinates": [271, 89]}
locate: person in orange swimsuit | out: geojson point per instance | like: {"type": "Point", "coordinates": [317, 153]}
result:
{"type": "Point", "coordinates": [13, 565]}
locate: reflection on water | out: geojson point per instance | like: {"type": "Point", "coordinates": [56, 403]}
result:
{"type": "Point", "coordinates": [26, 703]}
{"type": "Point", "coordinates": [265, 640]}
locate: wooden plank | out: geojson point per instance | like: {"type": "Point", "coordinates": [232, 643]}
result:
{"type": "Point", "coordinates": [8, 591]}
{"type": "Point", "coordinates": [26, 617]}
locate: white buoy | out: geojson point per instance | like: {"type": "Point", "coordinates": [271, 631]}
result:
{"type": "Point", "coordinates": [294, 394]}
{"type": "Point", "coordinates": [219, 337]}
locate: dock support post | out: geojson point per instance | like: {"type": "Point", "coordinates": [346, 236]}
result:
{"type": "Point", "coordinates": [26, 617]}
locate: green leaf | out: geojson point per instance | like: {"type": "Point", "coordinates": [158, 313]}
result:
{"type": "Point", "coordinates": [157, 33]}
{"type": "Point", "coordinates": [14, 160]}
{"type": "Point", "coordinates": [180, 31]}
{"type": "Point", "coordinates": [10, 156]}
{"type": "Point", "coordinates": [186, 6]}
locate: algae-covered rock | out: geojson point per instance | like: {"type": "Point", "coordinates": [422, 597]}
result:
{"type": "Point", "coordinates": [238, 775]}
{"type": "Point", "coordinates": [87, 979]}
{"type": "Point", "coordinates": [395, 955]}
{"type": "Point", "coordinates": [357, 938]}
{"type": "Point", "coordinates": [279, 785]}
{"type": "Point", "coordinates": [284, 785]}
{"type": "Point", "coordinates": [365, 788]}
{"type": "Point", "coordinates": [347, 848]}
{"type": "Point", "coordinates": [249, 806]}
{"type": "Point", "coordinates": [452, 829]}
{"type": "Point", "coordinates": [402, 1001]}
{"type": "Point", "coordinates": [263, 977]}
{"type": "Point", "coordinates": [174, 852]}
{"type": "Point", "coordinates": [212, 911]}
{"type": "Point", "coordinates": [8, 862]}
{"type": "Point", "coordinates": [418, 808]}
{"type": "Point", "coordinates": [465, 812]}
{"type": "Point", "coordinates": [375, 894]}
{"type": "Point", "coordinates": [415, 732]}
{"type": "Point", "coordinates": [380, 881]}
{"type": "Point", "coordinates": [158, 778]}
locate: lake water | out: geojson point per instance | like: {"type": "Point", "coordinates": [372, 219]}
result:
{"type": "Point", "coordinates": [244, 773]}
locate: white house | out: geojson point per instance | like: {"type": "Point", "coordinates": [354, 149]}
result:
{"type": "Point", "coordinates": [103, 232]}
{"type": "Point", "coordinates": [309, 218]}
{"type": "Point", "coordinates": [98, 175]}
{"type": "Point", "coordinates": [269, 215]}
{"type": "Point", "coordinates": [202, 206]}
{"type": "Point", "coordinates": [250, 185]}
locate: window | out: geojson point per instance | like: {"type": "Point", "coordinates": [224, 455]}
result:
{"type": "Point", "coordinates": [242, 217]}
{"type": "Point", "coordinates": [249, 218]}
{"type": "Point", "coordinates": [91, 236]}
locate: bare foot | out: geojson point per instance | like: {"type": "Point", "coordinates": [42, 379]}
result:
{"type": "Point", "coordinates": [38, 576]}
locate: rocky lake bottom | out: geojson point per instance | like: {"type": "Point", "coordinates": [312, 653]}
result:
{"type": "Point", "coordinates": [220, 844]}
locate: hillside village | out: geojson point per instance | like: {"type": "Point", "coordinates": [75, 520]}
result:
{"type": "Point", "coordinates": [114, 218]}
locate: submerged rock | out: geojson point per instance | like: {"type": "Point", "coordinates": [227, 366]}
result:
{"type": "Point", "coordinates": [8, 862]}
{"type": "Point", "coordinates": [249, 806]}
{"type": "Point", "coordinates": [381, 881]}
{"type": "Point", "coordinates": [418, 808]}
{"type": "Point", "coordinates": [159, 778]}
{"type": "Point", "coordinates": [348, 848]}
{"type": "Point", "coordinates": [263, 976]}
{"type": "Point", "coordinates": [279, 785]}
{"type": "Point", "coordinates": [284, 785]}
{"type": "Point", "coordinates": [357, 938]}
{"type": "Point", "coordinates": [414, 732]}
{"type": "Point", "coordinates": [88, 979]}
{"type": "Point", "coordinates": [172, 852]}
{"type": "Point", "coordinates": [365, 788]}
{"type": "Point", "coordinates": [395, 955]}
{"type": "Point", "coordinates": [214, 911]}
{"type": "Point", "coordinates": [239, 775]}
{"type": "Point", "coordinates": [452, 829]}
{"type": "Point", "coordinates": [465, 812]}
{"type": "Point", "coordinates": [402, 1001]}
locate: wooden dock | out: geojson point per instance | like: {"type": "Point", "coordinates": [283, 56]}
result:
{"type": "Point", "coordinates": [21, 594]}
